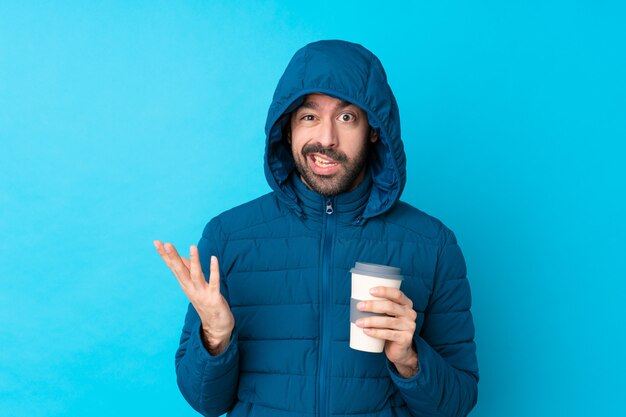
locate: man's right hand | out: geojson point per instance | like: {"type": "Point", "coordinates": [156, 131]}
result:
{"type": "Point", "coordinates": [217, 319]}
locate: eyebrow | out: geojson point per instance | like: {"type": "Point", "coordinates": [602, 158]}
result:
{"type": "Point", "coordinates": [313, 105]}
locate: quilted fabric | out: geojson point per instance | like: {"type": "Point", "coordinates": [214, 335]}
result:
{"type": "Point", "coordinates": [285, 261]}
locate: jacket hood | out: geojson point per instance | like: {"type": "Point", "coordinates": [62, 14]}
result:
{"type": "Point", "coordinates": [349, 72]}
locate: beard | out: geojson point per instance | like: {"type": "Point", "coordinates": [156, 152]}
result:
{"type": "Point", "coordinates": [340, 182]}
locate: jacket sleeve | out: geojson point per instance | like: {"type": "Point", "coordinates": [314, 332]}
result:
{"type": "Point", "coordinates": [208, 383]}
{"type": "Point", "coordinates": [447, 377]}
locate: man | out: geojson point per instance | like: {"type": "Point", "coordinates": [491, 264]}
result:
{"type": "Point", "coordinates": [267, 335]}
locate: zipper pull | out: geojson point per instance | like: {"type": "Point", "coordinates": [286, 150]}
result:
{"type": "Point", "coordinates": [329, 207]}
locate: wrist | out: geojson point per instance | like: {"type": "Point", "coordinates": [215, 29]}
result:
{"type": "Point", "coordinates": [409, 367]}
{"type": "Point", "coordinates": [406, 371]}
{"type": "Point", "coordinates": [214, 345]}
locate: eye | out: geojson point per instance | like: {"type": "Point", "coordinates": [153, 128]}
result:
{"type": "Point", "coordinates": [347, 117]}
{"type": "Point", "coordinates": [308, 118]}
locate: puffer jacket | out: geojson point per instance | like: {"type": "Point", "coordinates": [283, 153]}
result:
{"type": "Point", "coordinates": [285, 262]}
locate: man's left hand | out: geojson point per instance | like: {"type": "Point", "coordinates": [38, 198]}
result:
{"type": "Point", "coordinates": [397, 327]}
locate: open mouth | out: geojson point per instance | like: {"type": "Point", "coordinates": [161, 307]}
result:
{"type": "Point", "coordinates": [322, 165]}
{"type": "Point", "coordinates": [323, 162]}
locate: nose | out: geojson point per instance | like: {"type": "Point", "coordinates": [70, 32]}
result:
{"type": "Point", "coordinates": [328, 134]}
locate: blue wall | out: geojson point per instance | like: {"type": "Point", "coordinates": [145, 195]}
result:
{"type": "Point", "coordinates": [124, 122]}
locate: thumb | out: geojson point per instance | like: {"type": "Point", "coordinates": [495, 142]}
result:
{"type": "Point", "coordinates": [214, 276]}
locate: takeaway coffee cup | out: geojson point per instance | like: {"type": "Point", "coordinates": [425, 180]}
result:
{"type": "Point", "coordinates": [364, 277]}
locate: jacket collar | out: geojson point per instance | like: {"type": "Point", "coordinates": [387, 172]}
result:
{"type": "Point", "coordinates": [348, 207]}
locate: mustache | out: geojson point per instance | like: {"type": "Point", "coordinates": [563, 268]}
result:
{"type": "Point", "coordinates": [330, 152]}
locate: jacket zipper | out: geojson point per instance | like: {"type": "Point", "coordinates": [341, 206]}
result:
{"type": "Point", "coordinates": [325, 306]}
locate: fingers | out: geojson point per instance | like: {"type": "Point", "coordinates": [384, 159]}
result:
{"type": "Point", "coordinates": [161, 249]}
{"type": "Point", "coordinates": [188, 270]}
{"type": "Point", "coordinates": [176, 263]}
{"type": "Point", "coordinates": [392, 294]}
{"type": "Point", "coordinates": [398, 324]}
{"type": "Point", "coordinates": [170, 256]}
{"type": "Point", "coordinates": [385, 322]}
{"type": "Point", "coordinates": [214, 276]}
{"type": "Point", "coordinates": [387, 307]}
{"type": "Point", "coordinates": [195, 269]}
{"type": "Point", "coordinates": [402, 338]}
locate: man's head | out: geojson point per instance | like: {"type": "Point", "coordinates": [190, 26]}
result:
{"type": "Point", "coordinates": [342, 72]}
{"type": "Point", "coordinates": [330, 141]}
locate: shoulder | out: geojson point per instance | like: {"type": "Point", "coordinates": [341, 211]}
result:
{"type": "Point", "coordinates": [245, 217]}
{"type": "Point", "coordinates": [411, 221]}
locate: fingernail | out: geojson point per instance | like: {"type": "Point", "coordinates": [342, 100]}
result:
{"type": "Point", "coordinates": [360, 305]}
{"type": "Point", "coordinates": [359, 322]}
{"type": "Point", "coordinates": [374, 290]}
{"type": "Point", "coordinates": [213, 259]}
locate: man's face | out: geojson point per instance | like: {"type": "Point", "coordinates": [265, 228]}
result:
{"type": "Point", "coordinates": [330, 140]}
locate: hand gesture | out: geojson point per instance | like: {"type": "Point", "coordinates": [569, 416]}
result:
{"type": "Point", "coordinates": [396, 327]}
{"type": "Point", "coordinates": [217, 319]}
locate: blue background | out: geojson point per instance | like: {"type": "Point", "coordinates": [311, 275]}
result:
{"type": "Point", "coordinates": [124, 122]}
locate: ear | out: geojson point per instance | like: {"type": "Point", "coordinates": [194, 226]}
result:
{"type": "Point", "coordinates": [373, 135]}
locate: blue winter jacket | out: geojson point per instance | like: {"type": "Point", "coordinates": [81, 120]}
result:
{"type": "Point", "coordinates": [285, 259]}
